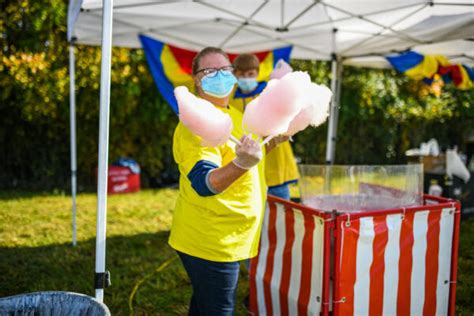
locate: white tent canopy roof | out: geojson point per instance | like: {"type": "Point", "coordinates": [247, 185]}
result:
{"type": "Point", "coordinates": [359, 32]}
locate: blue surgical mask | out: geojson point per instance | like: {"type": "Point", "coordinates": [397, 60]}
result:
{"type": "Point", "coordinates": [219, 86]}
{"type": "Point", "coordinates": [247, 84]}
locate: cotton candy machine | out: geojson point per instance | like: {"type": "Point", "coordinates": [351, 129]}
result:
{"type": "Point", "coordinates": [361, 188]}
{"type": "Point", "coordinates": [385, 237]}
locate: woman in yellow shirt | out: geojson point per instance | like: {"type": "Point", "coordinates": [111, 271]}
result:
{"type": "Point", "coordinates": [222, 190]}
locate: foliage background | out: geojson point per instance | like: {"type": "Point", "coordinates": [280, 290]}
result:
{"type": "Point", "coordinates": [382, 113]}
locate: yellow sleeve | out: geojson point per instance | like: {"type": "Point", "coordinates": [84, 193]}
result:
{"type": "Point", "coordinates": [187, 150]}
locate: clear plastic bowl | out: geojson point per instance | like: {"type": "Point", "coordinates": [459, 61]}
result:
{"type": "Point", "coordinates": [361, 188]}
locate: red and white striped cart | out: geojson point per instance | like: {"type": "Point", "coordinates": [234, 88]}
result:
{"type": "Point", "coordinates": [390, 262]}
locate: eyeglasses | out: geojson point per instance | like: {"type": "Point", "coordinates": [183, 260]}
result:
{"type": "Point", "coordinates": [212, 72]}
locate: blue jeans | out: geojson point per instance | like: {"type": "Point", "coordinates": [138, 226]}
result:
{"type": "Point", "coordinates": [214, 285]}
{"type": "Point", "coordinates": [282, 191]}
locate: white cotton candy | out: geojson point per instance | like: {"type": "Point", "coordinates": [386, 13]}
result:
{"type": "Point", "coordinates": [281, 69]}
{"type": "Point", "coordinates": [202, 118]}
{"type": "Point", "coordinates": [322, 99]}
{"type": "Point", "coordinates": [300, 122]}
{"type": "Point", "coordinates": [315, 108]}
{"type": "Point", "coordinates": [272, 112]}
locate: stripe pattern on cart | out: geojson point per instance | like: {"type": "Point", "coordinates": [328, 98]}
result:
{"type": "Point", "coordinates": [397, 264]}
{"type": "Point", "coordinates": [286, 276]}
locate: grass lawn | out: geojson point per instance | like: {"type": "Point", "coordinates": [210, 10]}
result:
{"type": "Point", "coordinates": [147, 278]}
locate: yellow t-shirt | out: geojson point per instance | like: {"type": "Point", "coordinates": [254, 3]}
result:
{"type": "Point", "coordinates": [223, 227]}
{"type": "Point", "coordinates": [280, 163]}
{"type": "Point", "coordinates": [280, 166]}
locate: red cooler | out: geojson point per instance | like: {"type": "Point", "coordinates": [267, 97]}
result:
{"type": "Point", "coordinates": [122, 180]}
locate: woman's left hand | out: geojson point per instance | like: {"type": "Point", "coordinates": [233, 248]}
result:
{"type": "Point", "coordinates": [279, 139]}
{"type": "Point", "coordinates": [275, 141]}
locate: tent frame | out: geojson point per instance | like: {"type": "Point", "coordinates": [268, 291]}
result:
{"type": "Point", "coordinates": [72, 124]}
{"type": "Point", "coordinates": [336, 79]}
{"type": "Point", "coordinates": [107, 8]}
{"type": "Point", "coordinates": [106, 61]}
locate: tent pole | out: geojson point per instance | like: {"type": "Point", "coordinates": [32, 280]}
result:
{"type": "Point", "coordinates": [334, 111]}
{"type": "Point", "coordinates": [72, 117]}
{"type": "Point", "coordinates": [101, 276]}
{"type": "Point", "coordinates": [337, 107]}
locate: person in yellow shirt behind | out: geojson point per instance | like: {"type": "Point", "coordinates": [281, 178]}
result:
{"type": "Point", "coordinates": [219, 210]}
{"type": "Point", "coordinates": [280, 163]}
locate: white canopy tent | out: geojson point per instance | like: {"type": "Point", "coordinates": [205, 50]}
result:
{"type": "Point", "coordinates": [346, 32]}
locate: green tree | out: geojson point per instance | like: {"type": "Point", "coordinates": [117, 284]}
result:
{"type": "Point", "coordinates": [34, 103]}
{"type": "Point", "coordinates": [382, 113]}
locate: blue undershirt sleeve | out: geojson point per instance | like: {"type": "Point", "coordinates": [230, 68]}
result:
{"type": "Point", "coordinates": [199, 177]}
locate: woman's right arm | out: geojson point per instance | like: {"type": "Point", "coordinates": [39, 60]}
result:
{"type": "Point", "coordinates": [221, 178]}
{"type": "Point", "coordinates": [202, 165]}
{"type": "Point", "coordinates": [248, 154]}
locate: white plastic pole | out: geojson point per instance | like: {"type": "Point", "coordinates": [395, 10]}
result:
{"type": "Point", "coordinates": [334, 112]}
{"type": "Point", "coordinates": [103, 141]}
{"type": "Point", "coordinates": [340, 67]}
{"type": "Point", "coordinates": [72, 117]}
{"type": "Point", "coordinates": [337, 102]}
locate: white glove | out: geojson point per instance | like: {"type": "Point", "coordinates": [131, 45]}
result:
{"type": "Point", "coordinates": [249, 153]}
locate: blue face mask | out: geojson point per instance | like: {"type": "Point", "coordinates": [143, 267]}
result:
{"type": "Point", "coordinates": [219, 86]}
{"type": "Point", "coordinates": [247, 84]}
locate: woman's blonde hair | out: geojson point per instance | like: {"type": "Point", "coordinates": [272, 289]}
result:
{"type": "Point", "coordinates": [206, 51]}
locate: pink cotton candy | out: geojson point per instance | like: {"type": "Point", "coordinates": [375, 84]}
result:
{"type": "Point", "coordinates": [281, 69]}
{"type": "Point", "coordinates": [202, 118]}
{"type": "Point", "coordinates": [272, 112]}
{"type": "Point", "coordinates": [315, 108]}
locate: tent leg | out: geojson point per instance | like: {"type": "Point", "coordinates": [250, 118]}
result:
{"type": "Point", "coordinates": [72, 115]}
{"type": "Point", "coordinates": [103, 145]}
{"type": "Point", "coordinates": [336, 71]}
